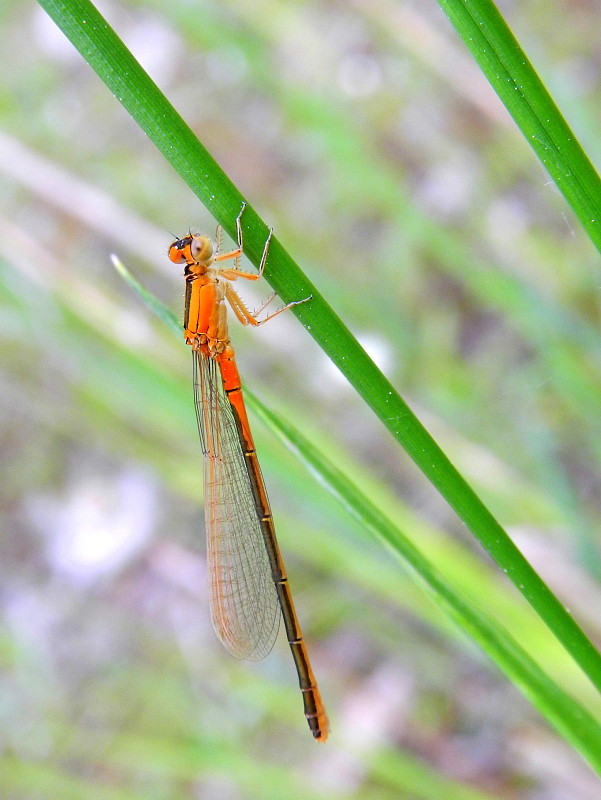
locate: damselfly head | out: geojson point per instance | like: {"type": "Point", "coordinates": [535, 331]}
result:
{"type": "Point", "coordinates": [191, 250]}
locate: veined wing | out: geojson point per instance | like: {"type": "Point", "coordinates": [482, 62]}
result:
{"type": "Point", "coordinates": [244, 602]}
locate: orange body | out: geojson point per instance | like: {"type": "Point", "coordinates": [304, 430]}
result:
{"type": "Point", "coordinates": [240, 531]}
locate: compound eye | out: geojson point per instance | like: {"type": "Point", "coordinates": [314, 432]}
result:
{"type": "Point", "coordinates": [201, 248]}
{"type": "Point", "coordinates": [177, 251]}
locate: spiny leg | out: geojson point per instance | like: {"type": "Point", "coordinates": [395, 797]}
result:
{"type": "Point", "coordinates": [246, 316]}
{"type": "Point", "coordinates": [239, 235]}
{"type": "Point", "coordinates": [265, 251]}
{"type": "Point", "coordinates": [235, 254]}
{"type": "Point", "coordinates": [218, 233]}
{"type": "Point", "coordinates": [241, 246]}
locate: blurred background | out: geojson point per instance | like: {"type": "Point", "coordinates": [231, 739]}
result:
{"type": "Point", "coordinates": [367, 137]}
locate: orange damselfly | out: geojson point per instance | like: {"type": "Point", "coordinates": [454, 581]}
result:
{"type": "Point", "coordinates": [248, 582]}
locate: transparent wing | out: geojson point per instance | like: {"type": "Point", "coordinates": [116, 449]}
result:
{"type": "Point", "coordinates": [244, 603]}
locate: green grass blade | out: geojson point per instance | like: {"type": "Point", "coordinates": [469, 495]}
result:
{"type": "Point", "coordinates": [567, 716]}
{"type": "Point", "coordinates": [513, 78]}
{"type": "Point", "coordinates": [107, 55]}
{"type": "Point", "coordinates": [160, 309]}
